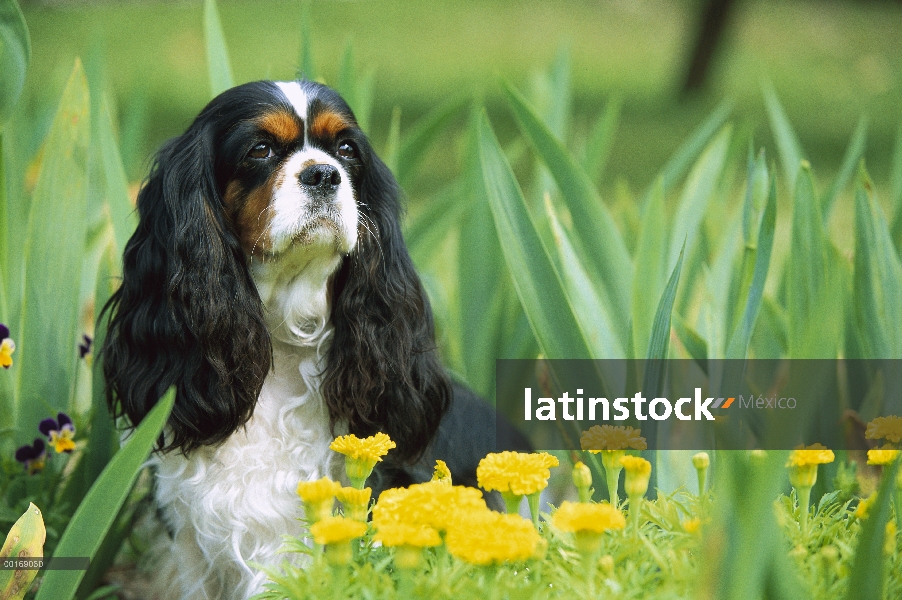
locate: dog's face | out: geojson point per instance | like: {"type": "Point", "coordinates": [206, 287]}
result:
{"type": "Point", "coordinates": [270, 178]}
{"type": "Point", "coordinates": [290, 159]}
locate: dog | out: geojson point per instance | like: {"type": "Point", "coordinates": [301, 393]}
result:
{"type": "Point", "coordinates": [269, 282]}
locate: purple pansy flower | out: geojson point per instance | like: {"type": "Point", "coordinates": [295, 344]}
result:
{"type": "Point", "coordinates": [60, 431]}
{"type": "Point", "coordinates": [32, 457]}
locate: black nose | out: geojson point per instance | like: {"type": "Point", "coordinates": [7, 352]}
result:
{"type": "Point", "coordinates": [320, 177]}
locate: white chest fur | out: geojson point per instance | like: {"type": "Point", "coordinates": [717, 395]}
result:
{"type": "Point", "coordinates": [231, 505]}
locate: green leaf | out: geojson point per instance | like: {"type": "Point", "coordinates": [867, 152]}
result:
{"type": "Point", "coordinates": [660, 331]}
{"type": "Point", "coordinates": [393, 141]}
{"type": "Point", "coordinates": [602, 332]}
{"type": "Point", "coordinates": [694, 343]}
{"type": "Point", "coordinates": [54, 252]}
{"type": "Point", "coordinates": [742, 335]}
{"type": "Point", "coordinates": [433, 224]}
{"type": "Point", "coordinates": [650, 270]}
{"type": "Point", "coordinates": [596, 233]}
{"type": "Point", "coordinates": [538, 284]}
{"type": "Point", "coordinates": [850, 161]}
{"type": "Point", "coordinates": [123, 215]}
{"type": "Point", "coordinates": [877, 278]}
{"type": "Point", "coordinates": [356, 89]}
{"type": "Point", "coordinates": [867, 574]}
{"type": "Point", "coordinates": [15, 53]}
{"type": "Point", "coordinates": [655, 366]}
{"type": "Point", "coordinates": [682, 159]}
{"type": "Point", "coordinates": [809, 284]}
{"type": "Point", "coordinates": [97, 512]}
{"type": "Point", "coordinates": [601, 140]}
{"type": "Point", "coordinates": [788, 146]}
{"type": "Point", "coordinates": [305, 59]}
{"type": "Point", "coordinates": [218, 65]}
{"type": "Point", "coordinates": [896, 190]}
{"type": "Point", "coordinates": [413, 146]}
{"type": "Point", "coordinates": [697, 192]}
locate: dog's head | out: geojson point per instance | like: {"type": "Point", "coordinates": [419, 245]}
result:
{"type": "Point", "coordinates": [270, 180]}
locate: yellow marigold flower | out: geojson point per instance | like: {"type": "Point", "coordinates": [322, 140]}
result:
{"type": "Point", "coordinates": [691, 525]}
{"type": "Point", "coordinates": [406, 534]}
{"type": "Point", "coordinates": [610, 437]}
{"type": "Point", "coordinates": [885, 427]}
{"type": "Point", "coordinates": [354, 501]}
{"type": "Point", "coordinates": [336, 530]}
{"type": "Point", "coordinates": [361, 454]}
{"type": "Point", "coordinates": [587, 516]}
{"type": "Point", "coordinates": [638, 472]}
{"type": "Point", "coordinates": [485, 537]}
{"type": "Point", "coordinates": [433, 504]}
{"type": "Point", "coordinates": [318, 497]}
{"type": "Point", "coordinates": [864, 506]}
{"type": "Point", "coordinates": [7, 347]}
{"type": "Point", "coordinates": [319, 490]}
{"type": "Point", "coordinates": [370, 448]}
{"type": "Point", "coordinates": [882, 456]}
{"type": "Point", "coordinates": [815, 454]}
{"type": "Point", "coordinates": [587, 521]}
{"type": "Point", "coordinates": [442, 473]}
{"type": "Point", "coordinates": [519, 473]}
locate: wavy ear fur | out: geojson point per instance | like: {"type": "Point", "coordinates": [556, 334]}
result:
{"type": "Point", "coordinates": [187, 312]}
{"type": "Point", "coordinates": [382, 370]}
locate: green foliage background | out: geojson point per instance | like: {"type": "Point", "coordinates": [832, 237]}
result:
{"type": "Point", "coordinates": [562, 200]}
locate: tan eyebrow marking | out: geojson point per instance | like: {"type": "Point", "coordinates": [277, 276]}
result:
{"type": "Point", "coordinates": [328, 124]}
{"type": "Point", "coordinates": [281, 125]}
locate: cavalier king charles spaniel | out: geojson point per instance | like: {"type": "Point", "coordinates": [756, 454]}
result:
{"type": "Point", "coordinates": [268, 281]}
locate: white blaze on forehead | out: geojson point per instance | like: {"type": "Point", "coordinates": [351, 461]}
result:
{"type": "Point", "coordinates": [296, 96]}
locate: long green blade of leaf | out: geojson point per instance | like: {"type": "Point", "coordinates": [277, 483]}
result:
{"type": "Point", "coordinates": [53, 262]}
{"type": "Point", "coordinates": [788, 146]}
{"type": "Point", "coordinates": [537, 282]}
{"type": "Point", "coordinates": [697, 193]}
{"type": "Point", "coordinates": [808, 280]}
{"type": "Point", "coordinates": [682, 159]}
{"type": "Point", "coordinates": [601, 140]}
{"type": "Point", "coordinates": [650, 270]}
{"type": "Point", "coordinates": [896, 190]}
{"type": "Point", "coordinates": [101, 504]}
{"type": "Point", "coordinates": [15, 53]}
{"type": "Point", "coordinates": [849, 163]}
{"type": "Point", "coordinates": [867, 575]}
{"type": "Point", "coordinates": [413, 146]}
{"type": "Point", "coordinates": [660, 331]}
{"type": "Point", "coordinates": [218, 65]}
{"type": "Point", "coordinates": [305, 59]}
{"type": "Point", "coordinates": [123, 216]}
{"type": "Point", "coordinates": [602, 332]}
{"type": "Point", "coordinates": [742, 335]}
{"type": "Point", "coordinates": [877, 279]}
{"type": "Point", "coordinates": [597, 235]}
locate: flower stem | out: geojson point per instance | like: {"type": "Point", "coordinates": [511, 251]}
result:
{"type": "Point", "coordinates": [635, 506]}
{"type": "Point", "coordinates": [512, 502]}
{"type": "Point", "coordinates": [612, 475]}
{"type": "Point", "coordinates": [804, 496]}
{"type": "Point", "coordinates": [702, 476]}
{"type": "Point", "coordinates": [533, 501]}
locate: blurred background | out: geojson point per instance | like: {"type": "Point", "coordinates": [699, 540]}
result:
{"type": "Point", "coordinates": [669, 62]}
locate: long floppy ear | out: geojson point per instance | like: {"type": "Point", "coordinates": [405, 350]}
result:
{"type": "Point", "coordinates": [382, 371]}
{"type": "Point", "coordinates": [187, 312]}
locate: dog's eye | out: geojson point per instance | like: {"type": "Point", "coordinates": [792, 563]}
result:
{"type": "Point", "coordinates": [347, 151]}
{"type": "Point", "coordinates": [260, 151]}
